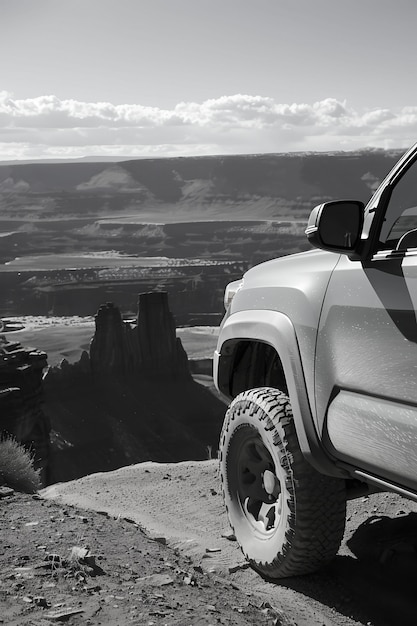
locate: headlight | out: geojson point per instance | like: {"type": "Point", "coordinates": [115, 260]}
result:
{"type": "Point", "coordinates": [230, 292]}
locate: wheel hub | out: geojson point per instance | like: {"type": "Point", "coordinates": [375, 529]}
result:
{"type": "Point", "coordinates": [271, 484]}
{"type": "Point", "coordinates": [259, 487]}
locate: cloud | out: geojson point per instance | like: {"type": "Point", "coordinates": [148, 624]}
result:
{"type": "Point", "coordinates": [46, 126]}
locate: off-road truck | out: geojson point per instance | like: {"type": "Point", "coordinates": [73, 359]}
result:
{"type": "Point", "coordinates": [317, 353]}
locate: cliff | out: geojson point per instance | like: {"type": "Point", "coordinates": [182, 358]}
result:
{"type": "Point", "coordinates": [194, 182]}
{"type": "Point", "coordinates": [21, 398]}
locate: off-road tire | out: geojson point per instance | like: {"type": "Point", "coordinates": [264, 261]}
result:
{"type": "Point", "coordinates": [288, 518]}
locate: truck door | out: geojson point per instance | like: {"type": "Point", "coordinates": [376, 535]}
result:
{"type": "Point", "coordinates": [366, 357]}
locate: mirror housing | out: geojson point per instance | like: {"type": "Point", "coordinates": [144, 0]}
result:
{"type": "Point", "coordinates": [336, 226]}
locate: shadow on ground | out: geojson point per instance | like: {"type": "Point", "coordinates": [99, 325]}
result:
{"type": "Point", "coordinates": [377, 585]}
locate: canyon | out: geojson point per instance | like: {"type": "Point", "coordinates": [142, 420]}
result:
{"type": "Point", "coordinates": [129, 398]}
{"type": "Point", "coordinates": [75, 235]}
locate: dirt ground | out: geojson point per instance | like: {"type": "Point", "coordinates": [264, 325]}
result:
{"type": "Point", "coordinates": [371, 581]}
{"type": "Point", "coordinates": [61, 564]}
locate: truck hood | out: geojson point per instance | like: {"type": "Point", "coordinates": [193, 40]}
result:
{"type": "Point", "coordinates": [309, 261]}
{"type": "Point", "coordinates": [294, 285]}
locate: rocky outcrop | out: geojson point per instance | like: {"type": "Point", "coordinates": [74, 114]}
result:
{"type": "Point", "coordinates": [147, 349]}
{"type": "Point", "coordinates": [21, 399]}
{"type": "Point", "coordinates": [132, 399]}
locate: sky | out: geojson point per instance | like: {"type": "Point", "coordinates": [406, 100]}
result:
{"type": "Point", "coordinates": [155, 78]}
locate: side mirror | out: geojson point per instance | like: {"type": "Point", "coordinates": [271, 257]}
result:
{"type": "Point", "coordinates": [336, 226]}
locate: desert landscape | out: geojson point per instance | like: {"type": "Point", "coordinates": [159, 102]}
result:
{"type": "Point", "coordinates": [112, 279]}
{"type": "Point", "coordinates": [75, 235]}
{"type": "Point", "coordinates": [151, 153]}
{"type": "Point", "coordinates": [78, 235]}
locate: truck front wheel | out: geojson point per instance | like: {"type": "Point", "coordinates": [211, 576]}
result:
{"type": "Point", "coordinates": [287, 518]}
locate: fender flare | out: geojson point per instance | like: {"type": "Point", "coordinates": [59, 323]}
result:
{"type": "Point", "coordinates": [276, 329]}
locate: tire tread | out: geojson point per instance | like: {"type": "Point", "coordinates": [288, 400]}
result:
{"type": "Point", "coordinates": [317, 502]}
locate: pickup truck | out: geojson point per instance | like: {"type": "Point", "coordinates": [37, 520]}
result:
{"type": "Point", "coordinates": [317, 355]}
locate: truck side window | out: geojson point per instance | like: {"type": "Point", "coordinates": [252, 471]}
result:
{"type": "Point", "coordinates": [401, 213]}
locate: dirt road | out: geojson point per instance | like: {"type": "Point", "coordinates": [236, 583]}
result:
{"type": "Point", "coordinates": [371, 581]}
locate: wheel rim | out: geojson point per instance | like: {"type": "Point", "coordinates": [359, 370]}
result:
{"type": "Point", "coordinates": [258, 485]}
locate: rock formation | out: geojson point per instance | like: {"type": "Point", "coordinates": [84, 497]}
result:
{"type": "Point", "coordinates": [132, 399]}
{"type": "Point", "coordinates": [21, 398]}
{"type": "Point", "coordinates": [148, 349]}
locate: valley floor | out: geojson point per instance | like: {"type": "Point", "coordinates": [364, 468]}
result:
{"type": "Point", "coordinates": [67, 337]}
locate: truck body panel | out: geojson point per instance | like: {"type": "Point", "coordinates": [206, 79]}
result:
{"type": "Point", "coordinates": [344, 329]}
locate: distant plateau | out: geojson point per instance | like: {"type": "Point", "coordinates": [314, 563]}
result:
{"type": "Point", "coordinates": [75, 235]}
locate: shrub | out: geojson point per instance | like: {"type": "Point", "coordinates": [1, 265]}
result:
{"type": "Point", "coordinates": [16, 467]}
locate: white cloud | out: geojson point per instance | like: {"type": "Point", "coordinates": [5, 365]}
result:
{"type": "Point", "coordinates": [46, 126]}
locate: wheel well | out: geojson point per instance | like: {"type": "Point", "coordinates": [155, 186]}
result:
{"type": "Point", "coordinates": [249, 364]}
